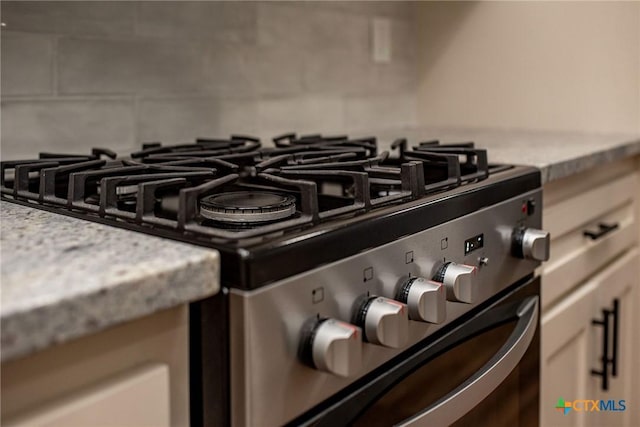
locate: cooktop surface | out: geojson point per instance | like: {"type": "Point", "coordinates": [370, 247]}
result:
{"type": "Point", "coordinates": [237, 195]}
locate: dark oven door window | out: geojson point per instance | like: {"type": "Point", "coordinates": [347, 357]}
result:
{"type": "Point", "coordinates": [484, 371]}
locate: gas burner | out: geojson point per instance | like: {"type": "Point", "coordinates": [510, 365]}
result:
{"type": "Point", "coordinates": [247, 207]}
{"type": "Point", "coordinates": [123, 191]}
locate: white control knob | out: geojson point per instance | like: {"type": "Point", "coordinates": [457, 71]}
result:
{"type": "Point", "coordinates": [384, 321]}
{"type": "Point", "coordinates": [459, 280]}
{"type": "Point", "coordinates": [333, 346]}
{"type": "Point", "coordinates": [425, 299]}
{"type": "Point", "coordinates": [531, 243]}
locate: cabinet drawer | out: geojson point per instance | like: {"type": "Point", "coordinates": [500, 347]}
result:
{"type": "Point", "coordinates": [586, 206]}
{"type": "Point", "coordinates": [575, 256]}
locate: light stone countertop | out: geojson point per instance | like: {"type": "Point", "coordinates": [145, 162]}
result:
{"type": "Point", "coordinates": [557, 154]}
{"type": "Point", "coordinates": [63, 278]}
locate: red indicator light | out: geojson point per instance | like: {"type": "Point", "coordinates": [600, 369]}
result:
{"type": "Point", "coordinates": [524, 208]}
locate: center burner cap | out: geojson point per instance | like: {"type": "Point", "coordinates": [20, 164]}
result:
{"type": "Point", "coordinates": [247, 207]}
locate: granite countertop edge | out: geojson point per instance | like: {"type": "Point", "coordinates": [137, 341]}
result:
{"type": "Point", "coordinates": [64, 278]}
{"type": "Point", "coordinates": [85, 314]}
{"type": "Point", "coordinates": [568, 167]}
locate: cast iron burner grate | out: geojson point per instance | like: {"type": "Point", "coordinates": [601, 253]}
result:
{"type": "Point", "coordinates": [195, 188]}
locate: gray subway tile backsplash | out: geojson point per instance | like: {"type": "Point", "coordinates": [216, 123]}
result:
{"type": "Point", "coordinates": [27, 61]}
{"type": "Point", "coordinates": [31, 126]}
{"type": "Point", "coordinates": [238, 115]}
{"type": "Point", "coordinates": [313, 113]}
{"type": "Point", "coordinates": [101, 18]}
{"type": "Point", "coordinates": [94, 66]}
{"type": "Point", "coordinates": [169, 71]}
{"type": "Point", "coordinates": [296, 26]}
{"type": "Point", "coordinates": [364, 112]}
{"type": "Point", "coordinates": [178, 120]}
{"type": "Point", "coordinates": [339, 71]}
{"type": "Point", "coordinates": [210, 20]}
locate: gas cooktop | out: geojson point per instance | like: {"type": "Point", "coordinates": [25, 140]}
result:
{"type": "Point", "coordinates": [245, 199]}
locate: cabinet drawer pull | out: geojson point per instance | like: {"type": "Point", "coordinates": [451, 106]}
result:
{"type": "Point", "coordinates": [604, 359]}
{"type": "Point", "coordinates": [603, 229]}
{"type": "Point", "coordinates": [616, 337]}
{"type": "Point", "coordinates": [609, 356]}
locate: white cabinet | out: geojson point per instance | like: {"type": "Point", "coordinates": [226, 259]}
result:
{"type": "Point", "coordinates": [139, 398]}
{"type": "Point", "coordinates": [581, 284]}
{"type": "Point", "coordinates": [134, 374]}
{"type": "Point", "coordinates": [567, 337]}
{"type": "Point", "coordinates": [576, 257]}
{"type": "Point", "coordinates": [572, 347]}
{"type": "Point", "coordinates": [620, 284]}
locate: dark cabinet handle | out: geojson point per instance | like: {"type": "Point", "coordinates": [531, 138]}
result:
{"type": "Point", "coordinates": [604, 359]}
{"type": "Point", "coordinates": [609, 358]}
{"type": "Point", "coordinates": [616, 339]}
{"type": "Point", "coordinates": [602, 230]}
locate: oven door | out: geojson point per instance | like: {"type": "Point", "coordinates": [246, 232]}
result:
{"type": "Point", "coordinates": [482, 371]}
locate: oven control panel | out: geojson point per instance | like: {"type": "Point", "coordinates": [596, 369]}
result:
{"type": "Point", "coordinates": [296, 342]}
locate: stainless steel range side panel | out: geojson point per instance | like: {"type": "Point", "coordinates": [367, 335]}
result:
{"type": "Point", "coordinates": [270, 386]}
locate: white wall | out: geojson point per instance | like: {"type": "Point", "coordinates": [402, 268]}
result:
{"type": "Point", "coordinates": [536, 65]}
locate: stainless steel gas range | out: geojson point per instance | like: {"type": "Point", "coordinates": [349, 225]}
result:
{"type": "Point", "coordinates": [360, 287]}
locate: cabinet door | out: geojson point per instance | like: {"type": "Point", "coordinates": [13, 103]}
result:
{"type": "Point", "coordinates": [134, 398]}
{"type": "Point", "coordinates": [566, 340]}
{"type": "Point", "coordinates": [619, 282]}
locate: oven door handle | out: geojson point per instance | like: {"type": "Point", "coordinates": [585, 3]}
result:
{"type": "Point", "coordinates": [476, 388]}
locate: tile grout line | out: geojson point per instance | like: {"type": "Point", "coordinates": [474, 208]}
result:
{"type": "Point", "coordinates": [54, 66]}
{"type": "Point", "coordinates": [135, 118]}
{"type": "Point", "coordinates": [135, 37]}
